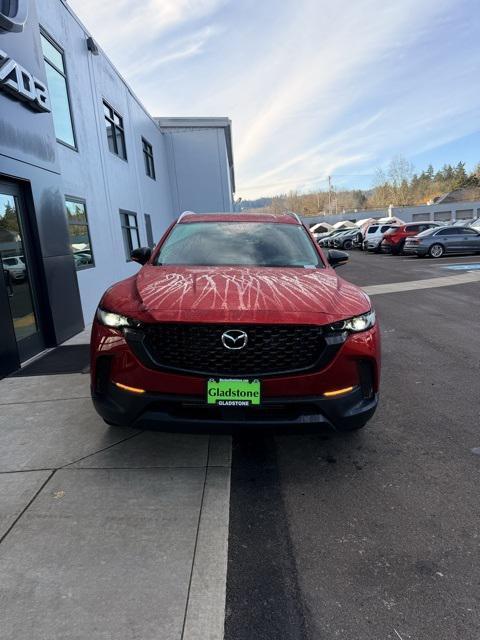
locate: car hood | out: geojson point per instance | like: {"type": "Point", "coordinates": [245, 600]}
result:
{"type": "Point", "coordinates": [232, 294]}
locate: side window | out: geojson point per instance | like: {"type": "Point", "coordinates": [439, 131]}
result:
{"type": "Point", "coordinates": [131, 236]}
{"type": "Point", "coordinates": [79, 233]}
{"type": "Point", "coordinates": [148, 159]}
{"type": "Point", "coordinates": [468, 231]}
{"type": "Point", "coordinates": [115, 131]}
{"type": "Point", "coordinates": [448, 231]}
{"type": "Point", "coordinates": [58, 89]}
{"type": "Point", "coordinates": [415, 227]}
{"type": "Point", "coordinates": [148, 229]}
{"type": "Point", "coordinates": [372, 229]}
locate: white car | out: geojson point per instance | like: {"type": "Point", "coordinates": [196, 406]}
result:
{"type": "Point", "coordinates": [373, 236]}
{"type": "Point", "coordinates": [15, 266]}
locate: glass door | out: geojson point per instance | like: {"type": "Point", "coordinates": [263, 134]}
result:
{"type": "Point", "coordinates": [17, 271]}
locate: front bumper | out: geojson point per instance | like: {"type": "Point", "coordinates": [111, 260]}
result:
{"type": "Point", "coordinates": [174, 400]}
{"type": "Point", "coordinates": [175, 412]}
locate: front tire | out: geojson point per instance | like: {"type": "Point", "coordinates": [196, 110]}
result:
{"type": "Point", "coordinates": [348, 244]}
{"type": "Point", "coordinates": [436, 250]}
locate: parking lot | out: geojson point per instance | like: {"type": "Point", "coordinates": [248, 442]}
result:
{"type": "Point", "coordinates": [110, 533]}
{"type": "Point", "coordinates": [376, 535]}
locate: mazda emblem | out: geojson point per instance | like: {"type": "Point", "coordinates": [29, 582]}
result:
{"type": "Point", "coordinates": [234, 339]}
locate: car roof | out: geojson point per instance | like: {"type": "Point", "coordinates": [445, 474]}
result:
{"type": "Point", "coordinates": [279, 218]}
{"type": "Point", "coordinates": [407, 224]}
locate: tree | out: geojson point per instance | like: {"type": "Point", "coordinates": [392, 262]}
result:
{"type": "Point", "coordinates": [9, 219]}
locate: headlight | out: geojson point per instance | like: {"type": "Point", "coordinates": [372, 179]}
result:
{"type": "Point", "coordinates": [356, 324]}
{"type": "Point", "coordinates": [115, 320]}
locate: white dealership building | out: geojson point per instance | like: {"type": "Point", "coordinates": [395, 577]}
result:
{"type": "Point", "coordinates": [86, 174]}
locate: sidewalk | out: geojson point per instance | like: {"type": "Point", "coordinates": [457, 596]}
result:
{"type": "Point", "coordinates": [106, 532]}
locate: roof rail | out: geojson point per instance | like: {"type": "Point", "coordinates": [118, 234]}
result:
{"type": "Point", "coordinates": [295, 215]}
{"type": "Point", "coordinates": [185, 213]}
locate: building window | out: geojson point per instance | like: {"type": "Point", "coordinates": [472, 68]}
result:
{"type": "Point", "coordinates": [148, 159]}
{"type": "Point", "coordinates": [58, 89]}
{"type": "Point", "coordinates": [131, 236]}
{"type": "Point", "coordinates": [148, 229]}
{"type": "Point", "coordinates": [442, 216]}
{"type": "Point", "coordinates": [79, 233]}
{"type": "Point", "coordinates": [115, 131]}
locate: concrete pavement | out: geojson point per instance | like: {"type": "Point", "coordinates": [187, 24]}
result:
{"type": "Point", "coordinates": [106, 532]}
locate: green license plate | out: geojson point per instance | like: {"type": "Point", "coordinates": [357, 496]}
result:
{"type": "Point", "coordinates": [233, 393]}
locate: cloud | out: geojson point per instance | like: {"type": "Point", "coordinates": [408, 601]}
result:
{"type": "Point", "coordinates": [180, 48]}
{"type": "Point", "coordinates": [313, 87]}
{"type": "Point", "coordinates": [122, 26]}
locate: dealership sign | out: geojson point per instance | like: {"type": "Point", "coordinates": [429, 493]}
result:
{"type": "Point", "coordinates": [13, 15]}
{"type": "Point", "coordinates": [21, 84]}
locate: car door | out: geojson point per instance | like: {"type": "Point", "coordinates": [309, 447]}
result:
{"type": "Point", "coordinates": [470, 240]}
{"type": "Point", "coordinates": [451, 239]}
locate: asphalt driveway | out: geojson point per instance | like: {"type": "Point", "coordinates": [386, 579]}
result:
{"type": "Point", "coordinates": [376, 535]}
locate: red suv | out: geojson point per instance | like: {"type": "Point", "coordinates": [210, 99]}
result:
{"type": "Point", "coordinates": [394, 239]}
{"type": "Point", "coordinates": [235, 319]}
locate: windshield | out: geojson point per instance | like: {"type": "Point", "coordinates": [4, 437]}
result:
{"type": "Point", "coordinates": [239, 244]}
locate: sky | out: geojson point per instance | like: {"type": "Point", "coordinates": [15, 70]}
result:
{"type": "Point", "coordinates": [313, 87]}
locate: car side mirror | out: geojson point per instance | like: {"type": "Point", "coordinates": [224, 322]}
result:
{"type": "Point", "coordinates": [337, 258]}
{"type": "Point", "coordinates": [141, 255]}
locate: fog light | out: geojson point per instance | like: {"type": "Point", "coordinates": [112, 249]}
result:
{"type": "Point", "coordinates": [337, 392]}
{"type": "Point", "coordinates": [125, 387]}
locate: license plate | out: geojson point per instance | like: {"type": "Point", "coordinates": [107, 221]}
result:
{"type": "Point", "coordinates": [233, 392]}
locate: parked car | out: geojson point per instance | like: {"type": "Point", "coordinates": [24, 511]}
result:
{"type": "Point", "coordinates": [332, 239]}
{"type": "Point", "coordinates": [394, 239]}
{"type": "Point", "coordinates": [374, 236]}
{"type": "Point", "coordinates": [346, 240]}
{"type": "Point", "coordinates": [240, 320]}
{"type": "Point", "coordinates": [82, 259]}
{"type": "Point", "coordinates": [358, 240]}
{"type": "Point", "coordinates": [437, 242]}
{"type": "Point", "coordinates": [16, 267]}
{"type": "Point", "coordinates": [324, 242]}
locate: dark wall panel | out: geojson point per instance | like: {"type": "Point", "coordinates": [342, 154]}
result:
{"type": "Point", "coordinates": [8, 347]}
{"type": "Point", "coordinates": [50, 215]}
{"type": "Point", "coordinates": [63, 297]}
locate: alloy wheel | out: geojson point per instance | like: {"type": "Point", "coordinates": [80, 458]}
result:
{"type": "Point", "coordinates": [436, 250]}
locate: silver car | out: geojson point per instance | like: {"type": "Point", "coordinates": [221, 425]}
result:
{"type": "Point", "coordinates": [438, 242]}
{"type": "Point", "coordinates": [15, 265]}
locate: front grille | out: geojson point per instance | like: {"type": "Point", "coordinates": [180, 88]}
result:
{"type": "Point", "coordinates": [198, 348]}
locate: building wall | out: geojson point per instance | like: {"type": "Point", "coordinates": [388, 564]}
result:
{"type": "Point", "coordinates": [193, 170]}
{"type": "Point", "coordinates": [191, 163]}
{"type": "Point", "coordinates": [198, 161]}
{"type": "Point", "coordinates": [28, 154]}
{"type": "Point", "coordinates": [106, 182]}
